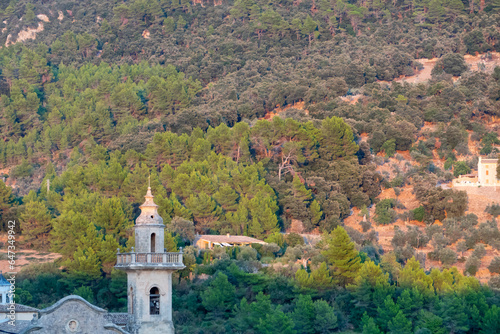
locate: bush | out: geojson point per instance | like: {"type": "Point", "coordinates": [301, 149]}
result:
{"type": "Point", "coordinates": [447, 256]}
{"type": "Point", "coordinates": [452, 63]}
{"type": "Point", "coordinates": [269, 250]}
{"type": "Point", "coordinates": [276, 238]}
{"type": "Point", "coordinates": [493, 209]}
{"type": "Point", "coordinates": [416, 238]}
{"type": "Point", "coordinates": [384, 211]}
{"type": "Point", "coordinates": [365, 225]}
{"type": "Point", "coordinates": [494, 282]}
{"type": "Point", "coordinates": [460, 168]}
{"type": "Point", "coordinates": [293, 239]}
{"type": "Point", "coordinates": [25, 169]}
{"type": "Point", "coordinates": [472, 265]}
{"type": "Point", "coordinates": [418, 214]}
{"type": "Point", "coordinates": [494, 266]}
{"type": "Point", "coordinates": [479, 251]}
{"type": "Point", "coordinates": [247, 254]}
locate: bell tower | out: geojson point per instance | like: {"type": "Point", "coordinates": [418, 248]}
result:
{"type": "Point", "coordinates": [149, 271]}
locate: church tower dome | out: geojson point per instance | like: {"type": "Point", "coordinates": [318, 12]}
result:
{"type": "Point", "coordinates": [149, 211]}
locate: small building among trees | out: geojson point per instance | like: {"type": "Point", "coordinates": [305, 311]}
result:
{"type": "Point", "coordinates": [209, 241]}
{"type": "Point", "coordinates": [487, 172]}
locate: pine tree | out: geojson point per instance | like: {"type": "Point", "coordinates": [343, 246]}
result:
{"type": "Point", "coordinates": [35, 224]}
{"type": "Point", "coordinates": [400, 325]}
{"type": "Point", "coordinates": [321, 277]}
{"type": "Point", "coordinates": [342, 255]}
{"type": "Point", "coordinates": [170, 242]}
{"type": "Point", "coordinates": [410, 302]}
{"type": "Point", "coordinates": [220, 296]}
{"type": "Point", "coordinates": [369, 325]}
{"type": "Point", "coordinates": [205, 210]}
{"type": "Point", "coordinates": [112, 217]}
{"type": "Point", "coordinates": [276, 322]}
{"type": "Point", "coordinates": [107, 253]}
{"type": "Point", "coordinates": [316, 213]}
{"type": "Point", "coordinates": [491, 321]}
{"type": "Point", "coordinates": [303, 279]}
{"type": "Point", "coordinates": [414, 276]}
{"type": "Point", "coordinates": [431, 322]}
{"type": "Point", "coordinates": [326, 321]}
{"type": "Point", "coordinates": [68, 228]}
{"type": "Point", "coordinates": [6, 199]}
{"type": "Point", "coordinates": [84, 267]}
{"type": "Point", "coordinates": [387, 312]}
{"type": "Point", "coordinates": [227, 198]}
{"type": "Point", "coordinates": [304, 314]}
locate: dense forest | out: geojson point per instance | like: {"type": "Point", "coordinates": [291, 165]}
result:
{"type": "Point", "coordinates": [110, 93]}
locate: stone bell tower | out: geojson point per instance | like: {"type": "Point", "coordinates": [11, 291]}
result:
{"type": "Point", "coordinates": [149, 271]}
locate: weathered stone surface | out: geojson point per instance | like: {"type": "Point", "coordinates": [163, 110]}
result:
{"type": "Point", "coordinates": [73, 315]}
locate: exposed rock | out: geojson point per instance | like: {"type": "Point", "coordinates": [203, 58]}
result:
{"type": "Point", "coordinates": [146, 34]}
{"type": "Point", "coordinates": [43, 17]}
{"type": "Point", "coordinates": [29, 33]}
{"type": "Point", "coordinates": [61, 15]}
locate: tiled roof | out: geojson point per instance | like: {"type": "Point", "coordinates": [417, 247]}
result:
{"type": "Point", "coordinates": [19, 308]}
{"type": "Point", "coordinates": [489, 161]}
{"type": "Point", "coordinates": [19, 326]}
{"type": "Point", "coordinates": [231, 239]}
{"type": "Point", "coordinates": [119, 319]}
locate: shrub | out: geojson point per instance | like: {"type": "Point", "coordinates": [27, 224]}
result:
{"type": "Point", "coordinates": [384, 211]}
{"type": "Point", "coordinates": [416, 238]}
{"type": "Point", "coordinates": [479, 251]}
{"type": "Point", "coordinates": [447, 256]}
{"type": "Point", "coordinates": [451, 63]}
{"type": "Point", "coordinates": [460, 168]}
{"type": "Point", "coordinates": [293, 239]}
{"type": "Point", "coordinates": [365, 225]}
{"type": "Point", "coordinates": [494, 266]}
{"type": "Point", "coordinates": [247, 254]}
{"type": "Point", "coordinates": [472, 265]}
{"type": "Point", "coordinates": [418, 213]}
{"type": "Point", "coordinates": [493, 209]}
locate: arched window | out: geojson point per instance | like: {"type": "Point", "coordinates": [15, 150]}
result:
{"type": "Point", "coordinates": [153, 242]}
{"type": "Point", "coordinates": [154, 301]}
{"type": "Point", "coordinates": [487, 173]}
{"type": "Point", "coordinates": [131, 308]}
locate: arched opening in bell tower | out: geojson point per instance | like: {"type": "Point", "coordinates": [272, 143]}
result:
{"type": "Point", "coordinates": [154, 301]}
{"type": "Point", "coordinates": [153, 242]}
{"type": "Point", "coordinates": [131, 301]}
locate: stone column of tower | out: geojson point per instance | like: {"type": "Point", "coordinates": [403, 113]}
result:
{"type": "Point", "coordinates": [149, 271]}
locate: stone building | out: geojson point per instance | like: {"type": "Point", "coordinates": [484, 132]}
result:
{"type": "Point", "coordinates": [209, 241]}
{"type": "Point", "coordinates": [149, 271]}
{"type": "Point", "coordinates": [487, 172]}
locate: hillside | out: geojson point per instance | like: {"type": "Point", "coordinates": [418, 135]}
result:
{"type": "Point", "coordinates": [344, 121]}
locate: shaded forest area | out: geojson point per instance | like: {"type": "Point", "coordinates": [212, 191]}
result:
{"type": "Point", "coordinates": [110, 92]}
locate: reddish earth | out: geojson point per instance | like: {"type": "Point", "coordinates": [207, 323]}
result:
{"type": "Point", "coordinates": [276, 111]}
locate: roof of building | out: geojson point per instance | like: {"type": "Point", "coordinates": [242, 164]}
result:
{"type": "Point", "coordinates": [19, 326]}
{"type": "Point", "coordinates": [18, 307]}
{"type": "Point", "coordinates": [119, 319]}
{"type": "Point", "coordinates": [3, 281]}
{"type": "Point", "coordinates": [489, 161]}
{"type": "Point", "coordinates": [231, 239]}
